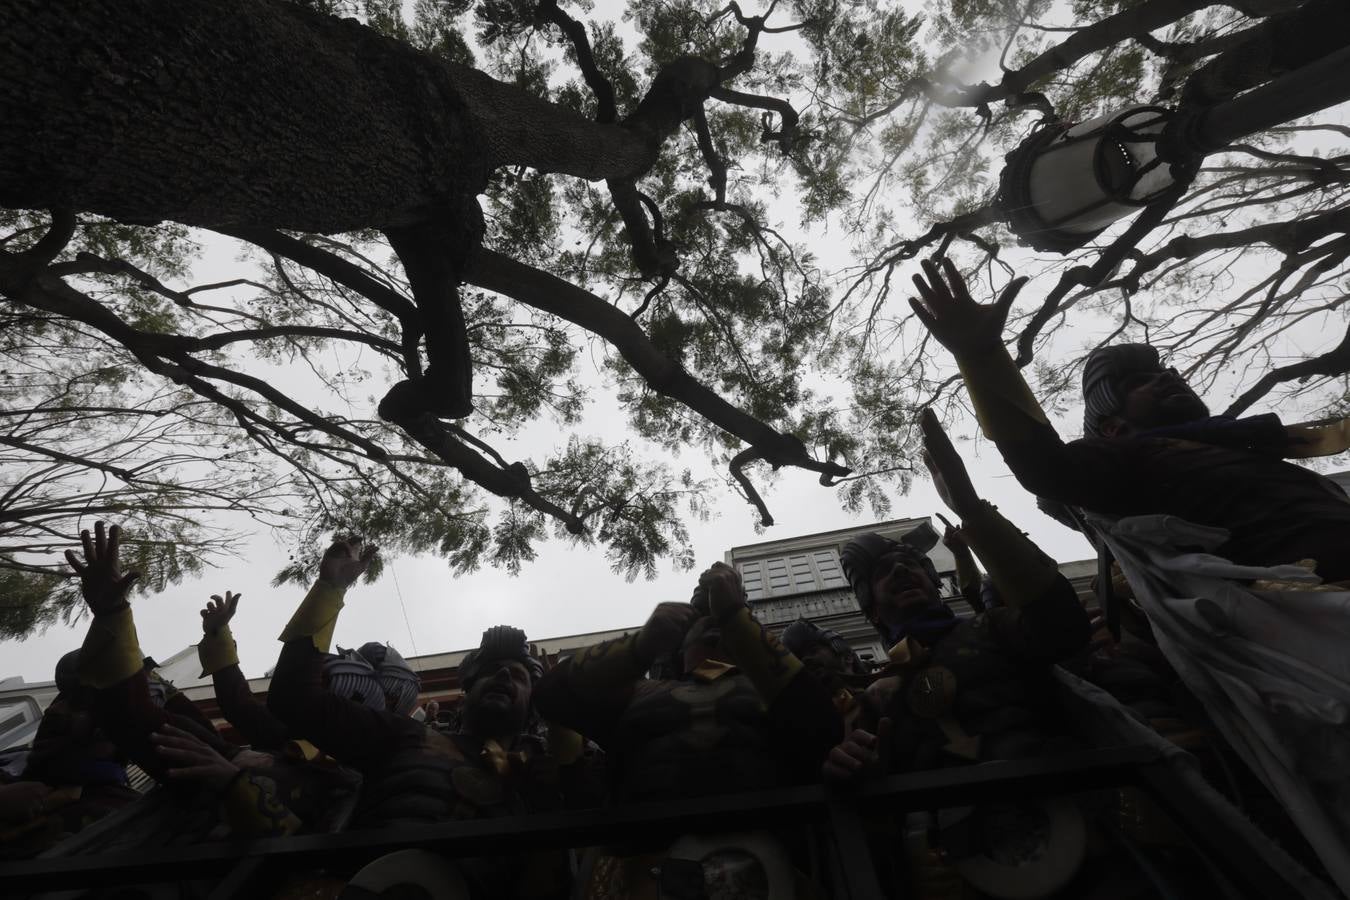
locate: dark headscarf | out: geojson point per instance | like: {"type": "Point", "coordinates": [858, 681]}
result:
{"type": "Point", "coordinates": [1102, 372]}
{"type": "Point", "coordinates": [803, 636]}
{"type": "Point", "coordinates": [859, 559]}
{"type": "Point", "coordinates": [499, 642]}
{"type": "Point", "coordinates": [68, 672]}
{"type": "Point", "coordinates": [397, 679]}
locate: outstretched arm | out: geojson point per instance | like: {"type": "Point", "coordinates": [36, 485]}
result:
{"type": "Point", "coordinates": [968, 578]}
{"type": "Point", "coordinates": [589, 691]}
{"type": "Point", "coordinates": [1082, 473]}
{"type": "Point", "coordinates": [348, 731]}
{"type": "Point", "coordinates": [801, 712]}
{"type": "Point", "coordinates": [1042, 617]}
{"type": "Point", "coordinates": [256, 724]}
{"type": "Point", "coordinates": [111, 660]}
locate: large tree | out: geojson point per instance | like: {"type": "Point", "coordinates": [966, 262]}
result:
{"type": "Point", "coordinates": [404, 204]}
{"type": "Point", "coordinates": [442, 205]}
{"type": "Point", "coordinates": [1240, 278]}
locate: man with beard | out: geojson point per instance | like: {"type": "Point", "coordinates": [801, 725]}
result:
{"type": "Point", "coordinates": [414, 773]}
{"type": "Point", "coordinates": [742, 714]}
{"type": "Point", "coordinates": [960, 690]}
{"type": "Point", "coordinates": [1150, 445]}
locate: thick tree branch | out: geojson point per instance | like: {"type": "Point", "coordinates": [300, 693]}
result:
{"type": "Point", "coordinates": [1138, 19]}
{"type": "Point", "coordinates": [605, 109]}
{"type": "Point", "coordinates": [738, 464]}
{"type": "Point", "coordinates": [1332, 363]}
{"type": "Point", "coordinates": [347, 274]}
{"type": "Point", "coordinates": [1093, 276]}
{"type": "Point", "coordinates": [787, 130]}
{"type": "Point", "coordinates": [512, 482]}
{"type": "Point", "coordinates": [433, 255]}
{"type": "Point", "coordinates": [545, 292]}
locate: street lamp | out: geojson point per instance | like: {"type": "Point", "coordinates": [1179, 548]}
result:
{"type": "Point", "coordinates": [1064, 185]}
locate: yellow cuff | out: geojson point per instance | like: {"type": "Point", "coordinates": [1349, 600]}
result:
{"type": "Point", "coordinates": [1003, 402]}
{"type": "Point", "coordinates": [111, 653]}
{"type": "Point", "coordinates": [317, 616]}
{"type": "Point", "coordinates": [217, 651]}
{"type": "Point", "coordinates": [1018, 568]}
{"type": "Point", "coordinates": [298, 750]}
{"type": "Point", "coordinates": [759, 654]}
{"type": "Point", "coordinates": [564, 744]}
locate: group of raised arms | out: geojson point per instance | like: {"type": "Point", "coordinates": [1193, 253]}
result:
{"type": "Point", "coordinates": [1224, 648]}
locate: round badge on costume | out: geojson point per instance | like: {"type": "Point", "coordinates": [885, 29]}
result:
{"type": "Point", "coordinates": [931, 692]}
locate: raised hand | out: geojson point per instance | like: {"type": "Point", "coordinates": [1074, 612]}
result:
{"type": "Point", "coordinates": [191, 759]}
{"type": "Point", "coordinates": [665, 629]}
{"type": "Point", "coordinates": [344, 562]}
{"type": "Point", "coordinates": [218, 612]}
{"type": "Point", "coordinates": [546, 663]}
{"type": "Point", "coordinates": [102, 581]}
{"type": "Point", "coordinates": [861, 755]}
{"type": "Point", "coordinates": [953, 538]}
{"type": "Point", "coordinates": [723, 585]}
{"type": "Point", "coordinates": [946, 466]}
{"type": "Point", "coordinates": [964, 327]}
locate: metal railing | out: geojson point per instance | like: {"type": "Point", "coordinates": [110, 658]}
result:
{"type": "Point", "coordinates": [840, 816]}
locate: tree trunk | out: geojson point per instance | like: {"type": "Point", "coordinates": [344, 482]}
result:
{"type": "Point", "coordinates": [260, 112]}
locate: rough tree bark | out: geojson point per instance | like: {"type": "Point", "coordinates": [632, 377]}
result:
{"type": "Point", "coordinates": [261, 113]}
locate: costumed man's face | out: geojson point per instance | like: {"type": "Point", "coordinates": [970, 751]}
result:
{"type": "Point", "coordinates": [702, 642]}
{"type": "Point", "coordinates": [499, 701]}
{"type": "Point", "coordinates": [1154, 399]}
{"type": "Point", "coordinates": [823, 661]}
{"type": "Point", "coordinates": [899, 583]}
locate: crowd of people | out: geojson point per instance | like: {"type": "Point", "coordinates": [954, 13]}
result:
{"type": "Point", "coordinates": [704, 700]}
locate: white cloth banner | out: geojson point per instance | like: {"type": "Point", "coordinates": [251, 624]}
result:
{"type": "Point", "coordinates": [1272, 667]}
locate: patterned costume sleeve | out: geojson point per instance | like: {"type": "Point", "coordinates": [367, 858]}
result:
{"type": "Point", "coordinates": [256, 724]}
{"type": "Point", "coordinates": [758, 654]}
{"type": "Point", "coordinates": [1095, 474]}
{"type": "Point", "coordinates": [588, 692]}
{"type": "Point", "coordinates": [801, 711]}
{"type": "Point", "coordinates": [1043, 618]}
{"type": "Point", "coordinates": [350, 732]}
{"type": "Point", "coordinates": [968, 578]}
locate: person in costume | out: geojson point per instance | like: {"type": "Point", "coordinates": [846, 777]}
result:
{"type": "Point", "coordinates": [174, 747]}
{"type": "Point", "coordinates": [961, 690]}
{"type": "Point", "coordinates": [417, 774]}
{"type": "Point", "coordinates": [743, 713]}
{"type": "Point", "coordinates": [1150, 444]}
{"type": "Point", "coordinates": [828, 657]}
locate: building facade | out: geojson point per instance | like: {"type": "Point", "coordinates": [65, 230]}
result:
{"type": "Point", "coordinates": [801, 577]}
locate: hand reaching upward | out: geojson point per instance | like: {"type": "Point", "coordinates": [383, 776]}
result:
{"type": "Point", "coordinates": [948, 469]}
{"type": "Point", "coordinates": [102, 581]}
{"type": "Point", "coordinates": [218, 612]}
{"type": "Point", "coordinates": [964, 327]}
{"type": "Point", "coordinates": [344, 562]}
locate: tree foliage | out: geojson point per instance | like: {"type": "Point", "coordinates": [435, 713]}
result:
{"type": "Point", "coordinates": [653, 192]}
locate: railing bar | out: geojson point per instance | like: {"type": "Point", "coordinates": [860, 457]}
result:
{"type": "Point", "coordinates": [852, 849]}
{"type": "Point", "coordinates": [945, 787]}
